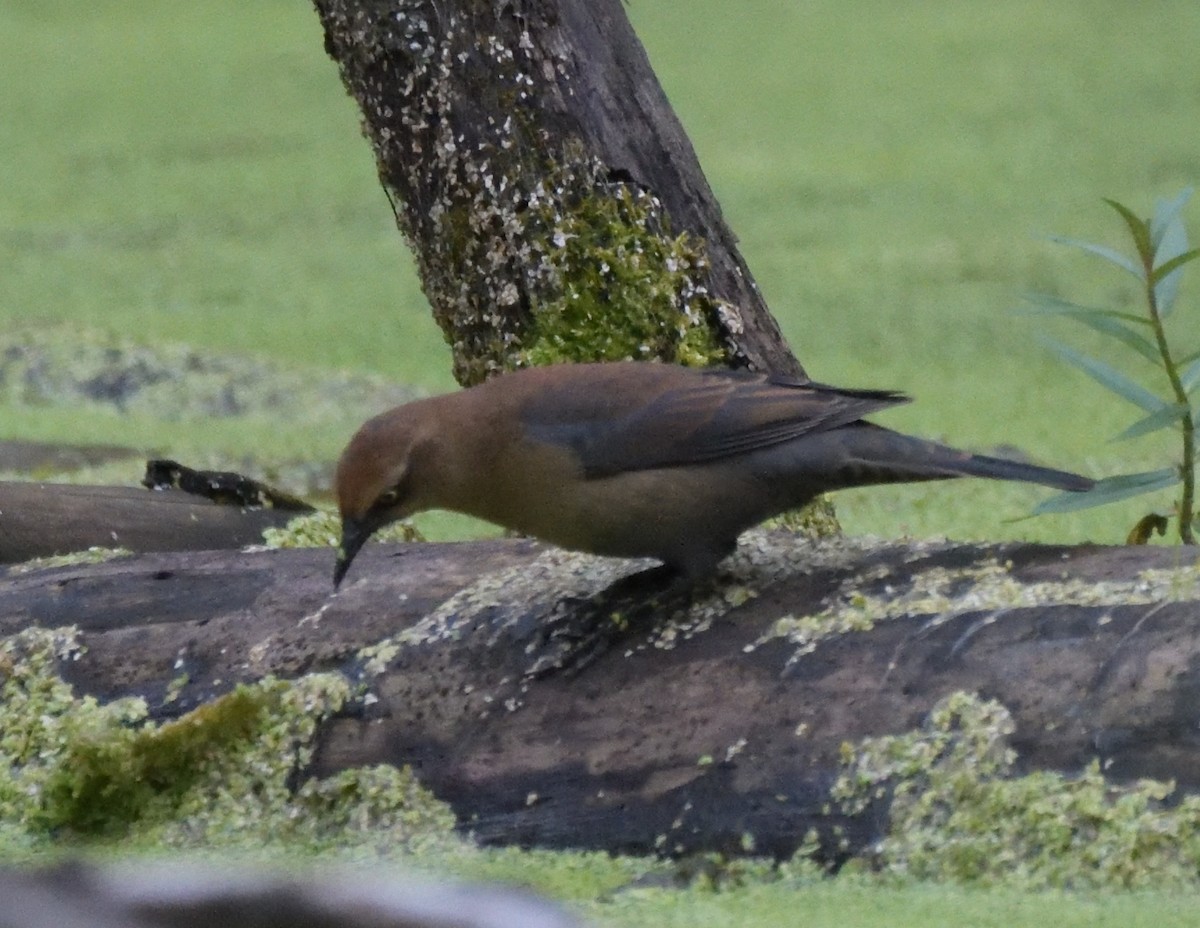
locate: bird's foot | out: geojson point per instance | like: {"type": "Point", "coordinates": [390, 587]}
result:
{"type": "Point", "coordinates": [580, 630]}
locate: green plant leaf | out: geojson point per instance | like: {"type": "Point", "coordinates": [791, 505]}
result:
{"type": "Point", "coordinates": [1050, 305]}
{"type": "Point", "coordinates": [1166, 417]}
{"type": "Point", "coordinates": [1171, 266]}
{"type": "Point", "coordinates": [1166, 212]}
{"type": "Point", "coordinates": [1107, 376]}
{"type": "Point", "coordinates": [1110, 490]}
{"type": "Point", "coordinates": [1174, 245]}
{"type": "Point", "coordinates": [1122, 333]}
{"type": "Point", "coordinates": [1111, 324]}
{"type": "Point", "coordinates": [1139, 229]}
{"type": "Point", "coordinates": [1108, 254]}
{"type": "Point", "coordinates": [1190, 376]}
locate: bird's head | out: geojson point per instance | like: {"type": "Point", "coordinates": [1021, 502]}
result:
{"type": "Point", "coordinates": [375, 482]}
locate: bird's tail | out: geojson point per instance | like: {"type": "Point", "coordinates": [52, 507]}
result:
{"type": "Point", "coordinates": [981, 465]}
{"type": "Point", "coordinates": [867, 453]}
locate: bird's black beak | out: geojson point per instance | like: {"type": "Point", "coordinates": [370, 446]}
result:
{"type": "Point", "coordinates": [354, 536]}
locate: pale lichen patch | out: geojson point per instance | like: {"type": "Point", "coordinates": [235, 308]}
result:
{"type": "Point", "coordinates": [93, 555]}
{"type": "Point", "coordinates": [220, 775]}
{"type": "Point", "coordinates": [323, 529]}
{"type": "Point", "coordinates": [944, 593]}
{"type": "Point", "coordinates": [958, 813]}
{"type": "Point", "coordinates": [535, 587]}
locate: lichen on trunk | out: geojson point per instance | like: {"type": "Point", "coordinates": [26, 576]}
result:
{"type": "Point", "coordinates": [496, 139]}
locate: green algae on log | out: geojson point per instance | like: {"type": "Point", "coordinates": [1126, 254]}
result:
{"type": "Point", "coordinates": [719, 728]}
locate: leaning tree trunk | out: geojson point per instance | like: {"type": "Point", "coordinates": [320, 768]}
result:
{"type": "Point", "coordinates": [553, 201]}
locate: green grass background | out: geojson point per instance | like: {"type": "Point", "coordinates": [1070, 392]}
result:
{"type": "Point", "coordinates": [194, 173]}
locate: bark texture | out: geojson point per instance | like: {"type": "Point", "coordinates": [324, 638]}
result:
{"type": "Point", "coordinates": [545, 185]}
{"type": "Point", "coordinates": [691, 732]}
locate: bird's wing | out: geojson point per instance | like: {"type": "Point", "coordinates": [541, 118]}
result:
{"type": "Point", "coordinates": [691, 418]}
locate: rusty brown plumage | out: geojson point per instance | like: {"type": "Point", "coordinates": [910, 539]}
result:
{"type": "Point", "coordinates": [636, 459]}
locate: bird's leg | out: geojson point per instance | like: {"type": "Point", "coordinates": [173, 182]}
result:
{"type": "Point", "coordinates": [579, 630]}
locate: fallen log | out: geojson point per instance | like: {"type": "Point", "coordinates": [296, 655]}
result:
{"type": "Point", "coordinates": [719, 727]}
{"type": "Point", "coordinates": [45, 519]}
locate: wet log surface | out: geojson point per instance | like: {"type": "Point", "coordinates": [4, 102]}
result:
{"type": "Point", "coordinates": [682, 736]}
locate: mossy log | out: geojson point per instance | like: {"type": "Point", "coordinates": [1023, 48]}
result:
{"type": "Point", "coordinates": [46, 519]}
{"type": "Point", "coordinates": [718, 728]}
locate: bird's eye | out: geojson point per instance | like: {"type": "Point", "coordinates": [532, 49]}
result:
{"type": "Point", "coordinates": [393, 496]}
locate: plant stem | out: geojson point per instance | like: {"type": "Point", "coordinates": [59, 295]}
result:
{"type": "Point", "coordinates": [1188, 466]}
